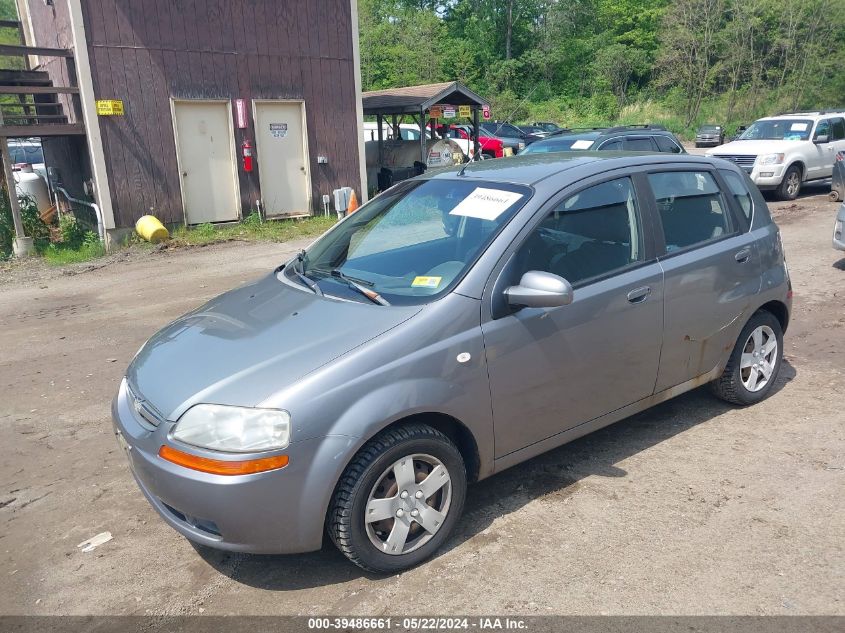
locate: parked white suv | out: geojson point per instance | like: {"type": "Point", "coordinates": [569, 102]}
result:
{"type": "Point", "coordinates": [781, 152]}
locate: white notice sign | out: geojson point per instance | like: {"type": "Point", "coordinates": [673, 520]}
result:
{"type": "Point", "coordinates": [279, 130]}
{"type": "Point", "coordinates": [486, 204]}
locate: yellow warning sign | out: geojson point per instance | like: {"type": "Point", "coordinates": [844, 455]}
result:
{"type": "Point", "coordinates": [109, 107]}
{"type": "Point", "coordinates": [464, 111]}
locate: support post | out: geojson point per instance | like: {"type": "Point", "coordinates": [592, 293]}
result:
{"type": "Point", "coordinates": [23, 245]}
{"type": "Point", "coordinates": [379, 132]}
{"type": "Point", "coordinates": [422, 136]}
{"type": "Point", "coordinates": [476, 147]}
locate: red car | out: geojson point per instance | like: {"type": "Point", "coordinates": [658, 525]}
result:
{"type": "Point", "coordinates": [490, 147]}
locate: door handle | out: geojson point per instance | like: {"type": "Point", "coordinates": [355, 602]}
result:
{"type": "Point", "coordinates": [639, 295]}
{"type": "Point", "coordinates": [743, 255]}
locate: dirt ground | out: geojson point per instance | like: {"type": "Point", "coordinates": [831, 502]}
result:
{"type": "Point", "coordinates": [693, 507]}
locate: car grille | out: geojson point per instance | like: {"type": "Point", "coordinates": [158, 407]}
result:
{"type": "Point", "coordinates": [746, 161]}
{"type": "Point", "coordinates": [144, 409]}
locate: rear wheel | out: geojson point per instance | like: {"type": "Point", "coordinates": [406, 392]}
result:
{"type": "Point", "coordinates": [790, 186]}
{"type": "Point", "coordinates": [399, 499]}
{"type": "Point", "coordinates": [754, 364]}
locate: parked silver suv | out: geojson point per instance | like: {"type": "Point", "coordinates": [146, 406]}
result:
{"type": "Point", "coordinates": [454, 326]}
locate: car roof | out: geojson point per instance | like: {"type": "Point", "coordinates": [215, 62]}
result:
{"type": "Point", "coordinates": [804, 115]}
{"type": "Point", "coordinates": [530, 169]}
{"type": "Point", "coordinates": [574, 135]}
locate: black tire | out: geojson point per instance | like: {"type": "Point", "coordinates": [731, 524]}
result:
{"type": "Point", "coordinates": [698, 144]}
{"type": "Point", "coordinates": [345, 522]}
{"type": "Point", "coordinates": [784, 190]}
{"type": "Point", "coordinates": [729, 386]}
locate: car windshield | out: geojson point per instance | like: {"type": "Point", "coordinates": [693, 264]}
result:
{"type": "Point", "coordinates": [410, 244]}
{"type": "Point", "coordinates": [778, 130]}
{"type": "Point", "coordinates": [559, 145]}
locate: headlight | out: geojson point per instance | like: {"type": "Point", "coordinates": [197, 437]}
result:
{"type": "Point", "coordinates": [770, 159]}
{"type": "Point", "coordinates": [233, 429]}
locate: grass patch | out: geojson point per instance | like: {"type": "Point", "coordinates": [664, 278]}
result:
{"type": "Point", "coordinates": [253, 229]}
{"type": "Point", "coordinates": [61, 255]}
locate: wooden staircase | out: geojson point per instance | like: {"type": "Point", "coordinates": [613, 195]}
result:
{"type": "Point", "coordinates": [30, 105]}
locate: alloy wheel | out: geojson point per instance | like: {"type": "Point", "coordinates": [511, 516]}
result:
{"type": "Point", "coordinates": [793, 182]}
{"type": "Point", "coordinates": [759, 355]}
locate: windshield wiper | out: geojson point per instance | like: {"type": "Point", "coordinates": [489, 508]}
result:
{"type": "Point", "coordinates": [300, 273]}
{"type": "Point", "coordinates": [355, 284]}
{"type": "Point", "coordinates": [372, 295]}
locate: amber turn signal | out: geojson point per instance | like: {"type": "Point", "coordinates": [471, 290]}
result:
{"type": "Point", "coordinates": [220, 467]}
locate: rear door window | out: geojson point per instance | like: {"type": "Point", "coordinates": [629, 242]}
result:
{"type": "Point", "coordinates": [639, 144]}
{"type": "Point", "coordinates": [837, 130]}
{"type": "Point", "coordinates": [692, 209]}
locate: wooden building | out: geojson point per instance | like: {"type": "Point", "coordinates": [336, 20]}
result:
{"type": "Point", "coordinates": [186, 89]}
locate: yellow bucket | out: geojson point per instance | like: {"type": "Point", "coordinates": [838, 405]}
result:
{"type": "Point", "coordinates": [151, 229]}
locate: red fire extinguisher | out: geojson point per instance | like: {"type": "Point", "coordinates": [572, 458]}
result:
{"type": "Point", "coordinates": [246, 152]}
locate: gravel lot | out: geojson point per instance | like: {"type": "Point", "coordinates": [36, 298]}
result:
{"type": "Point", "coordinates": [693, 507]}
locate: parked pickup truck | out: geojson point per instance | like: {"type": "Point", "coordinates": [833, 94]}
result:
{"type": "Point", "coordinates": [783, 152]}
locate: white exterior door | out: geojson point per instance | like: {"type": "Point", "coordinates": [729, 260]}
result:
{"type": "Point", "coordinates": [282, 157]}
{"type": "Point", "coordinates": [206, 157]}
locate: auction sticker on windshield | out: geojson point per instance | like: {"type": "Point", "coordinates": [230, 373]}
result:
{"type": "Point", "coordinates": [426, 282]}
{"type": "Point", "coordinates": [582, 144]}
{"type": "Point", "coordinates": [486, 204]}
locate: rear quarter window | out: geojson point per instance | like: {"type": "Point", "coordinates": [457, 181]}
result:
{"type": "Point", "coordinates": [666, 144]}
{"type": "Point", "coordinates": [739, 192]}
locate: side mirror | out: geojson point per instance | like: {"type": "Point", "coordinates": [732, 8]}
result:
{"type": "Point", "coordinates": [821, 138]}
{"type": "Point", "coordinates": [539, 289]}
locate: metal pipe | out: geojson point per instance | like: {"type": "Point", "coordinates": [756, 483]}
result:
{"type": "Point", "coordinates": [101, 227]}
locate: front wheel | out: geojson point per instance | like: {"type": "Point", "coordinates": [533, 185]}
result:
{"type": "Point", "coordinates": [754, 364]}
{"type": "Point", "coordinates": [399, 499]}
{"type": "Point", "coordinates": [790, 186]}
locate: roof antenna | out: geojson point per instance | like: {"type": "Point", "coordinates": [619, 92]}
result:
{"type": "Point", "coordinates": [466, 164]}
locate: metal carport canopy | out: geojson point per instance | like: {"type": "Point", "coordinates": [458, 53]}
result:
{"type": "Point", "coordinates": [416, 101]}
{"type": "Point", "coordinates": [413, 99]}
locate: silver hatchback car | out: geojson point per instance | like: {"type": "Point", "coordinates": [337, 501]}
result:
{"type": "Point", "coordinates": [454, 326]}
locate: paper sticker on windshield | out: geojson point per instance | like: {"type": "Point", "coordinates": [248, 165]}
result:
{"type": "Point", "coordinates": [486, 204]}
{"type": "Point", "coordinates": [798, 127]}
{"type": "Point", "coordinates": [426, 282]}
{"type": "Point", "coordinates": [582, 144]}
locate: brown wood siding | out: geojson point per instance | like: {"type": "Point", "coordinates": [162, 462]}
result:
{"type": "Point", "coordinates": [147, 52]}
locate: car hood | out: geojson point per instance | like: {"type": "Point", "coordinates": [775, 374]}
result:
{"type": "Point", "coordinates": [753, 147]}
{"type": "Point", "coordinates": [249, 343]}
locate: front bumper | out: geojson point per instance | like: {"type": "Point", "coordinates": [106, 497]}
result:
{"type": "Point", "coordinates": [275, 512]}
{"type": "Point", "coordinates": [714, 142]}
{"type": "Point", "coordinates": [839, 231]}
{"type": "Point", "coordinates": [767, 176]}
